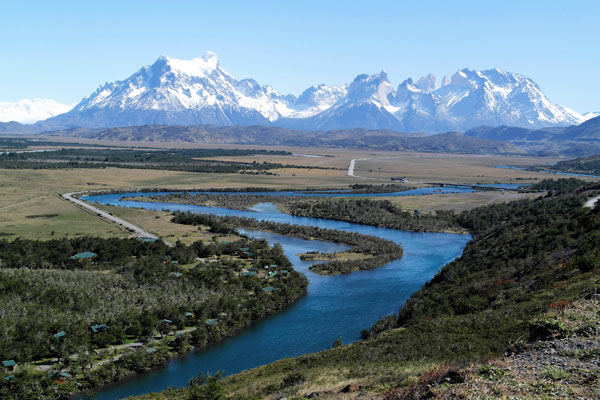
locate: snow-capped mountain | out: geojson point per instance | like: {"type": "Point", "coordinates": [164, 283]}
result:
{"type": "Point", "coordinates": [494, 97]}
{"type": "Point", "coordinates": [31, 110]}
{"type": "Point", "coordinates": [199, 91]}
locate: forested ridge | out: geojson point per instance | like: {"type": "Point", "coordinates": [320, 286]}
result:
{"type": "Point", "coordinates": [527, 258]}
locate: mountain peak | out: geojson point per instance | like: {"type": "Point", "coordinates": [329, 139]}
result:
{"type": "Point", "coordinates": [427, 83]}
{"type": "Point", "coordinates": [199, 91]}
{"type": "Point", "coordinates": [199, 66]}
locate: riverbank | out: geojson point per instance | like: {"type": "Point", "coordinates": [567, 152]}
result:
{"type": "Point", "coordinates": [312, 317]}
{"type": "Point", "coordinates": [495, 298]}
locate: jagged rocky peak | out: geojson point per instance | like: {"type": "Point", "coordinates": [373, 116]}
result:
{"type": "Point", "coordinates": [427, 83]}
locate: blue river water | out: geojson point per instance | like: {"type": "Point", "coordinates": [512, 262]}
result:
{"type": "Point", "coordinates": [545, 172]}
{"type": "Point", "coordinates": [335, 306]}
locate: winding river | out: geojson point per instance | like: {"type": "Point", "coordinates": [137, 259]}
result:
{"type": "Point", "coordinates": [335, 306]}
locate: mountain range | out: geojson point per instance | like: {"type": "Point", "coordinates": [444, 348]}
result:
{"type": "Point", "coordinates": [27, 111]}
{"type": "Point", "coordinates": [200, 91]}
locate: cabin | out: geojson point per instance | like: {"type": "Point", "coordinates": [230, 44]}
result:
{"type": "Point", "coordinates": [175, 274]}
{"type": "Point", "coordinates": [59, 335]}
{"type": "Point", "coordinates": [247, 254]}
{"type": "Point", "coordinates": [223, 242]}
{"type": "Point", "coordinates": [147, 240]}
{"type": "Point", "coordinates": [166, 321]}
{"type": "Point", "coordinates": [99, 328]}
{"type": "Point", "coordinates": [10, 378]}
{"type": "Point", "coordinates": [285, 272]}
{"type": "Point", "coordinates": [269, 289]}
{"type": "Point", "coordinates": [213, 321]}
{"type": "Point", "coordinates": [9, 365]}
{"type": "Point", "coordinates": [60, 377]}
{"type": "Point", "coordinates": [249, 273]}
{"type": "Point", "coordinates": [190, 315]}
{"type": "Point", "coordinates": [244, 249]}
{"type": "Point", "coordinates": [87, 255]}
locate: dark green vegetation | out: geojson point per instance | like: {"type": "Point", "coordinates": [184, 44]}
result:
{"type": "Point", "coordinates": [375, 212]}
{"type": "Point", "coordinates": [70, 313]}
{"type": "Point", "coordinates": [389, 188]}
{"type": "Point", "coordinates": [527, 258]}
{"type": "Point", "coordinates": [584, 165]}
{"type": "Point", "coordinates": [190, 160]}
{"type": "Point", "coordinates": [232, 201]}
{"type": "Point", "coordinates": [386, 140]}
{"type": "Point", "coordinates": [375, 251]}
{"type": "Point", "coordinates": [557, 186]}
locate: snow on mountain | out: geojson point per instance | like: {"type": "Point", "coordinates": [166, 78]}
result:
{"type": "Point", "coordinates": [494, 97]}
{"type": "Point", "coordinates": [200, 91]}
{"type": "Point", "coordinates": [28, 111]}
{"type": "Point", "coordinates": [197, 91]}
{"type": "Point", "coordinates": [590, 115]}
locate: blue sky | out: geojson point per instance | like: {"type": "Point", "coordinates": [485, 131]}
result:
{"type": "Point", "coordinates": [65, 49]}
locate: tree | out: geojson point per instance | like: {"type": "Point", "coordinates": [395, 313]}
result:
{"type": "Point", "coordinates": [207, 387]}
{"type": "Point", "coordinates": [338, 342]}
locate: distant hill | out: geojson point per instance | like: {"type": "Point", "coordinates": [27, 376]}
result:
{"type": "Point", "coordinates": [452, 142]}
{"type": "Point", "coordinates": [576, 140]}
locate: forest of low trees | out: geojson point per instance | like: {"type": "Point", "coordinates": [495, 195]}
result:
{"type": "Point", "coordinates": [129, 289]}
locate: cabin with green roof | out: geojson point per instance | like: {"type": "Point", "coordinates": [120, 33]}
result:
{"type": "Point", "coordinates": [60, 376]}
{"type": "Point", "coordinates": [269, 289]}
{"type": "Point", "coordinates": [213, 321]}
{"type": "Point", "coordinates": [9, 365]}
{"type": "Point", "coordinates": [87, 255]}
{"type": "Point", "coordinates": [59, 335]}
{"type": "Point", "coordinates": [99, 328]}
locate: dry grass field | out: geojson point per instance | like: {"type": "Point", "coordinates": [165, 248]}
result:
{"type": "Point", "coordinates": [30, 205]}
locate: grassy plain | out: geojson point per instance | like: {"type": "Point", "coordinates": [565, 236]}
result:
{"type": "Point", "coordinates": [30, 205]}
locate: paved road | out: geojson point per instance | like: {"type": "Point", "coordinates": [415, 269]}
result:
{"type": "Point", "coordinates": [139, 232]}
{"type": "Point", "coordinates": [591, 203]}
